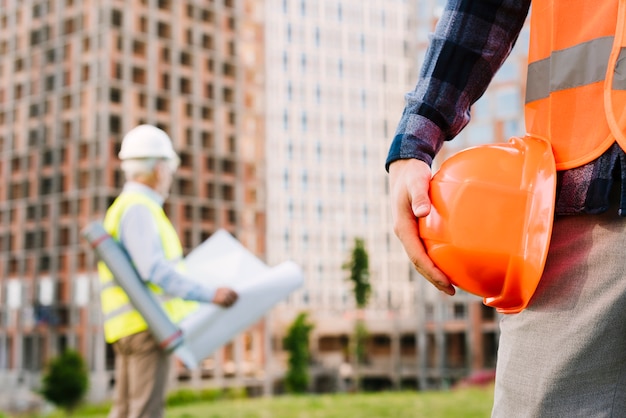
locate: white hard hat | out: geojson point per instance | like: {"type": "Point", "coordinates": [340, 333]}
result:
{"type": "Point", "coordinates": [147, 141]}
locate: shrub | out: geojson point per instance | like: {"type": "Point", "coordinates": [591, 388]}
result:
{"type": "Point", "coordinates": [65, 380]}
{"type": "Point", "coordinates": [297, 344]}
{"type": "Point", "coordinates": [182, 397]}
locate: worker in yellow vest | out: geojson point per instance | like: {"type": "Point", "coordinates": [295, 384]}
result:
{"type": "Point", "coordinates": [564, 355]}
{"type": "Point", "coordinates": [137, 220]}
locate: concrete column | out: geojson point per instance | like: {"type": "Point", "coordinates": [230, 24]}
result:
{"type": "Point", "coordinates": [268, 358]}
{"type": "Point", "coordinates": [421, 336]}
{"type": "Point", "coordinates": [396, 366]}
{"type": "Point", "coordinates": [239, 359]}
{"type": "Point", "coordinates": [440, 343]}
{"type": "Point", "coordinates": [475, 346]}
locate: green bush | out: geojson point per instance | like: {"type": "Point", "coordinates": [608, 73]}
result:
{"type": "Point", "coordinates": [189, 396]}
{"type": "Point", "coordinates": [211, 394]}
{"type": "Point", "coordinates": [65, 380]}
{"type": "Point", "coordinates": [182, 397]}
{"type": "Point", "coordinates": [297, 345]}
{"type": "Point", "coordinates": [234, 393]}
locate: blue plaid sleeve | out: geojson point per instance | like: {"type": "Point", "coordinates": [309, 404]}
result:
{"type": "Point", "coordinates": [471, 41]}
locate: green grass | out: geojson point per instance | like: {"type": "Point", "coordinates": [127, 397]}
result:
{"type": "Point", "coordinates": [461, 403]}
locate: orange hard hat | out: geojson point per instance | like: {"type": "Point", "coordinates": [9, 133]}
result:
{"type": "Point", "coordinates": [491, 219]}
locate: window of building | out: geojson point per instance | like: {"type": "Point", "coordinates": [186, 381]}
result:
{"type": "Point", "coordinates": [305, 180]}
{"type": "Point", "coordinates": [115, 95]}
{"type": "Point", "coordinates": [188, 212]}
{"type": "Point", "coordinates": [210, 190]}
{"type": "Point", "coordinates": [186, 59]}
{"type": "Point", "coordinates": [165, 81]}
{"type": "Point", "coordinates": [231, 215]}
{"type": "Point", "coordinates": [186, 159]}
{"type": "Point", "coordinates": [115, 124]}
{"type": "Point", "coordinates": [228, 94]}
{"type": "Point", "coordinates": [206, 15]}
{"type": "Point", "coordinates": [117, 72]}
{"type": "Point", "coordinates": [206, 139]}
{"type": "Point", "coordinates": [139, 75]}
{"type": "Point", "coordinates": [141, 100]}
{"type": "Point", "coordinates": [207, 213]}
{"type": "Point", "coordinates": [185, 187]}
{"type": "Point", "coordinates": [163, 30]}
{"type": "Point", "coordinates": [459, 311]}
{"type": "Point", "coordinates": [229, 69]}
{"type": "Point", "coordinates": [143, 24]}
{"type": "Point", "coordinates": [208, 91]}
{"type": "Point", "coordinates": [228, 166]}
{"type": "Point", "coordinates": [207, 41]}
{"type": "Point", "coordinates": [85, 71]}
{"type": "Point", "coordinates": [117, 19]}
{"type": "Point", "coordinates": [139, 48]}
{"type": "Point", "coordinates": [185, 85]}
{"type": "Point", "coordinates": [228, 192]}
{"type": "Point", "coordinates": [206, 113]}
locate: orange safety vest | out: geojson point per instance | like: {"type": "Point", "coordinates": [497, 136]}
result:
{"type": "Point", "coordinates": [576, 86]}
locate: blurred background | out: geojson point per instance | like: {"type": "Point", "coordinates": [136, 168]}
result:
{"type": "Point", "coordinates": [282, 112]}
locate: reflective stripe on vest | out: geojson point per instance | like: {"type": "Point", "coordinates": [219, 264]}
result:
{"type": "Point", "coordinates": [120, 318]}
{"type": "Point", "coordinates": [576, 86]}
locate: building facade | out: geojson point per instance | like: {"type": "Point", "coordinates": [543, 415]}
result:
{"type": "Point", "coordinates": [74, 77]}
{"type": "Point", "coordinates": [337, 72]}
{"type": "Point", "coordinates": [282, 111]}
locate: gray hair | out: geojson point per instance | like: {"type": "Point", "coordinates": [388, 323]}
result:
{"type": "Point", "coordinates": [137, 167]}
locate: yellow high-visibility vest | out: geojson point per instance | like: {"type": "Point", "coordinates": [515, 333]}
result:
{"type": "Point", "coordinates": [120, 318]}
{"type": "Point", "coordinates": [576, 87]}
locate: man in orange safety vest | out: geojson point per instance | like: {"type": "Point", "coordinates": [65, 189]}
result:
{"type": "Point", "coordinates": [565, 354]}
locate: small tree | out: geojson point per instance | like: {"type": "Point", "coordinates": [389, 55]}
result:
{"type": "Point", "coordinates": [297, 344]}
{"type": "Point", "coordinates": [65, 381]}
{"type": "Point", "coordinates": [358, 267]}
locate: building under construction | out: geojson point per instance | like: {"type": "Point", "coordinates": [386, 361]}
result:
{"type": "Point", "coordinates": [74, 77]}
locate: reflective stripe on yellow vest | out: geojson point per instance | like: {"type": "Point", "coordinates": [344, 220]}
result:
{"type": "Point", "coordinates": [120, 318]}
{"type": "Point", "coordinates": [576, 87]}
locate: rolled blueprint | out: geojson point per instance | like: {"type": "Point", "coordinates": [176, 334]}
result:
{"type": "Point", "coordinates": [117, 260]}
{"type": "Point", "coordinates": [222, 260]}
{"type": "Point", "coordinates": [211, 326]}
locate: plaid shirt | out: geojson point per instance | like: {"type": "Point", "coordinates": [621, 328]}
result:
{"type": "Point", "coordinates": [470, 43]}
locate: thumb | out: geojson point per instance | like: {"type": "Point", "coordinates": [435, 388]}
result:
{"type": "Point", "coordinates": [418, 191]}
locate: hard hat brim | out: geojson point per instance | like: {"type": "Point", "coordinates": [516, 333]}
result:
{"type": "Point", "coordinates": [524, 273]}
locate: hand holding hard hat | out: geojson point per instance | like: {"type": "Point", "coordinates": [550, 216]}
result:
{"type": "Point", "coordinates": [489, 226]}
{"type": "Point", "coordinates": [409, 181]}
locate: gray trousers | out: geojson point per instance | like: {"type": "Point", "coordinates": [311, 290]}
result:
{"type": "Point", "coordinates": [141, 376]}
{"type": "Point", "coordinates": [565, 355]}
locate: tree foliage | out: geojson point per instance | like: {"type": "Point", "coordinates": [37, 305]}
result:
{"type": "Point", "coordinates": [359, 275]}
{"type": "Point", "coordinates": [297, 345]}
{"type": "Point", "coordinates": [65, 380]}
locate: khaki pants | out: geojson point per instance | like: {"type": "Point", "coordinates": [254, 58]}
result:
{"type": "Point", "coordinates": [141, 374]}
{"type": "Point", "coordinates": [565, 356]}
